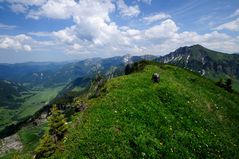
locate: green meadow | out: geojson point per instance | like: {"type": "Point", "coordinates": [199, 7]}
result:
{"type": "Point", "coordinates": [182, 116]}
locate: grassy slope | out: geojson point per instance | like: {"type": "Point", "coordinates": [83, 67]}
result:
{"type": "Point", "coordinates": [183, 116]}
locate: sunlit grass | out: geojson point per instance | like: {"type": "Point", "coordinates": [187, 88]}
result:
{"type": "Point", "coordinates": [184, 116]}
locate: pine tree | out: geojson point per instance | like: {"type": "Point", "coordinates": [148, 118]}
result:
{"type": "Point", "coordinates": [46, 147]}
{"type": "Point", "coordinates": [228, 85]}
{"type": "Point", "coordinates": [220, 83]}
{"type": "Point", "coordinates": [57, 124]}
{"type": "Point", "coordinates": [128, 69]}
{"type": "Point", "coordinates": [57, 129]}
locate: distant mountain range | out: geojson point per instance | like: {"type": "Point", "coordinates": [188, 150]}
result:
{"type": "Point", "coordinates": [48, 74]}
{"type": "Point", "coordinates": [211, 64]}
{"type": "Point", "coordinates": [29, 73]}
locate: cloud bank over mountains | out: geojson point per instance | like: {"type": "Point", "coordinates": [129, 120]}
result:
{"type": "Point", "coordinates": [95, 33]}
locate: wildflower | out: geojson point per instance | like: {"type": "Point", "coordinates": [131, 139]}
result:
{"type": "Point", "coordinates": [143, 154]}
{"type": "Point", "coordinates": [171, 150]}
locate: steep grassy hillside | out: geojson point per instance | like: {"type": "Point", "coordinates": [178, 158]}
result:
{"type": "Point", "coordinates": [183, 116]}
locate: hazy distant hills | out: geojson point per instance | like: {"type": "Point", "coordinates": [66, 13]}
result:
{"type": "Point", "coordinates": [48, 73]}
{"type": "Point", "coordinates": [208, 63]}
{"type": "Point", "coordinates": [30, 73]}
{"type": "Point", "coordinates": [211, 64]}
{"type": "Point", "coordinates": [10, 92]}
{"type": "Point", "coordinates": [81, 73]}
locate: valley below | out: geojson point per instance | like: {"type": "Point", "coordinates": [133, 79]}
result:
{"type": "Point", "coordinates": [30, 103]}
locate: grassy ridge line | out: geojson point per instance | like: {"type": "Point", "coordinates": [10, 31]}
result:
{"type": "Point", "coordinates": [184, 115]}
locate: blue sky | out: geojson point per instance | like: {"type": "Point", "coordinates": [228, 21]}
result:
{"type": "Point", "coordinates": [59, 30]}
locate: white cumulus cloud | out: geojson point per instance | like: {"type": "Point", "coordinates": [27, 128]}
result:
{"type": "Point", "coordinates": [18, 42]}
{"type": "Point", "coordinates": [18, 8]}
{"type": "Point", "coordinates": [57, 9]}
{"type": "Point", "coordinates": [26, 2]}
{"type": "Point", "coordinates": [235, 14]}
{"type": "Point", "coordinates": [156, 17]}
{"type": "Point", "coordinates": [126, 10]}
{"type": "Point", "coordinates": [233, 25]}
{"type": "Point", "coordinates": [5, 26]}
{"type": "Point", "coordinates": [145, 1]}
{"type": "Point", "coordinates": [94, 33]}
{"type": "Point", "coordinates": [166, 29]}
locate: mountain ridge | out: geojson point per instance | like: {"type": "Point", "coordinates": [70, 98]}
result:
{"type": "Point", "coordinates": [211, 64]}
